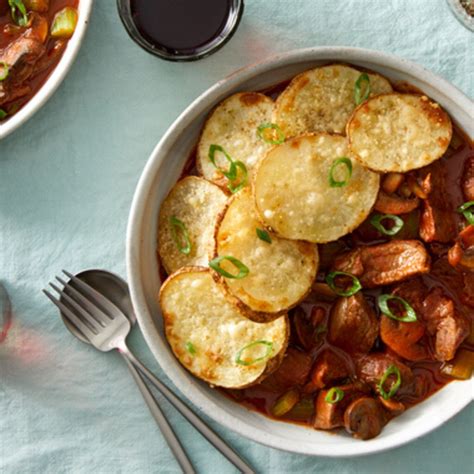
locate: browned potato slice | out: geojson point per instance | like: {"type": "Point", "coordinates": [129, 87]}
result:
{"type": "Point", "coordinates": [322, 99]}
{"type": "Point", "coordinates": [195, 203]}
{"type": "Point", "coordinates": [280, 271]}
{"type": "Point", "coordinates": [211, 337]}
{"type": "Point", "coordinates": [233, 125]}
{"type": "Point", "coordinates": [293, 194]}
{"type": "Point", "coordinates": [399, 132]}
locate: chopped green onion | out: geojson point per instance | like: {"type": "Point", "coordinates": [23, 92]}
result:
{"type": "Point", "coordinates": [244, 177]}
{"type": "Point", "coordinates": [285, 403]}
{"type": "Point", "coordinates": [340, 161]}
{"type": "Point", "coordinates": [64, 23]}
{"type": "Point", "coordinates": [231, 174]}
{"type": "Point", "coordinates": [356, 286]}
{"type": "Point", "coordinates": [264, 235]}
{"type": "Point", "coordinates": [3, 114]}
{"type": "Point", "coordinates": [392, 370]}
{"type": "Point", "coordinates": [360, 97]}
{"type": "Point", "coordinates": [18, 12]}
{"type": "Point", "coordinates": [410, 314]}
{"type": "Point", "coordinates": [467, 212]}
{"type": "Point", "coordinates": [280, 136]}
{"type": "Point", "coordinates": [376, 221]}
{"type": "Point", "coordinates": [4, 70]}
{"type": "Point", "coordinates": [190, 348]}
{"type": "Point", "coordinates": [246, 361]}
{"type": "Point", "coordinates": [180, 235]}
{"type": "Point", "coordinates": [243, 270]}
{"type": "Point", "coordinates": [334, 395]}
{"type": "Point", "coordinates": [320, 329]}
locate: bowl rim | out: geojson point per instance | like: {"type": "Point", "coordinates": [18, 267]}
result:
{"type": "Point", "coordinates": [133, 243]}
{"type": "Point", "coordinates": [57, 75]}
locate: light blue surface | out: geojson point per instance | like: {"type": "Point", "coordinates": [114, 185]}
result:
{"type": "Point", "coordinates": [66, 183]}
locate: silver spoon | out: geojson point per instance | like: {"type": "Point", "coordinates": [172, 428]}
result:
{"type": "Point", "coordinates": [109, 294]}
{"type": "Point", "coordinates": [116, 290]}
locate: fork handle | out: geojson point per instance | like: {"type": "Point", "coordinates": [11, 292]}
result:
{"type": "Point", "coordinates": [165, 427]}
{"type": "Point", "coordinates": [187, 413]}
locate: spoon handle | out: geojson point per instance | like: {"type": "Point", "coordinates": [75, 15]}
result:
{"type": "Point", "coordinates": [187, 413]}
{"type": "Point", "coordinates": [165, 427]}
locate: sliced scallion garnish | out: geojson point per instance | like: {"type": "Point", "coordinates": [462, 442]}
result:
{"type": "Point", "coordinates": [377, 221]}
{"type": "Point", "coordinates": [467, 210]}
{"type": "Point", "coordinates": [334, 395]}
{"type": "Point", "coordinates": [331, 281]}
{"type": "Point", "coordinates": [271, 133]}
{"type": "Point", "coordinates": [408, 317]}
{"type": "Point", "coordinates": [3, 114]}
{"type": "Point", "coordinates": [64, 23]}
{"type": "Point", "coordinates": [264, 235]}
{"type": "Point", "coordinates": [242, 360]}
{"type": "Point", "coordinates": [320, 329]}
{"type": "Point", "coordinates": [4, 70]}
{"type": "Point", "coordinates": [180, 235]}
{"type": "Point", "coordinates": [285, 403]}
{"type": "Point", "coordinates": [359, 95]}
{"type": "Point", "coordinates": [391, 370]}
{"type": "Point", "coordinates": [18, 12]}
{"type": "Point", "coordinates": [231, 173]}
{"type": "Point", "coordinates": [243, 270]}
{"type": "Point", "coordinates": [340, 161]}
{"type": "Point", "coordinates": [190, 348]}
{"type": "Point", "coordinates": [242, 179]}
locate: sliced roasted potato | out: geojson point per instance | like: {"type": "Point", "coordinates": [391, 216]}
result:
{"type": "Point", "coordinates": [293, 192]}
{"type": "Point", "coordinates": [322, 99]}
{"type": "Point", "coordinates": [233, 125]}
{"type": "Point", "coordinates": [187, 221]}
{"type": "Point", "coordinates": [399, 132]}
{"type": "Point", "coordinates": [211, 337]}
{"type": "Point", "coordinates": [281, 271]}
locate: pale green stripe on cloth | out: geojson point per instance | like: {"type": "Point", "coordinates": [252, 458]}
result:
{"type": "Point", "coordinates": [66, 184]}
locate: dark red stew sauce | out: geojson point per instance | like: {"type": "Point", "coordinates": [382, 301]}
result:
{"type": "Point", "coordinates": [30, 51]}
{"type": "Point", "coordinates": [315, 361]}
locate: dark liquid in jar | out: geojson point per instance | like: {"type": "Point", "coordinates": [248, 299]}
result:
{"type": "Point", "coordinates": [180, 25]}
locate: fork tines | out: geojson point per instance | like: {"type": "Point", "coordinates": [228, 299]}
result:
{"type": "Point", "coordinates": [82, 305]}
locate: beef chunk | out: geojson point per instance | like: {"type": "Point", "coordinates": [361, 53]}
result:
{"type": "Point", "coordinates": [384, 264]}
{"type": "Point", "coordinates": [437, 222]}
{"type": "Point", "coordinates": [447, 326]}
{"type": "Point", "coordinates": [294, 370]}
{"type": "Point", "coordinates": [20, 56]}
{"type": "Point", "coordinates": [468, 179]}
{"type": "Point", "coordinates": [328, 368]}
{"type": "Point", "coordinates": [353, 325]}
{"type": "Point", "coordinates": [371, 368]}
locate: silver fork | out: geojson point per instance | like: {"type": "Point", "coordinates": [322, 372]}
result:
{"type": "Point", "coordinates": [106, 327]}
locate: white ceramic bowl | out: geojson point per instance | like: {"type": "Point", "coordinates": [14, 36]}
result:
{"type": "Point", "coordinates": [161, 172]}
{"type": "Point", "coordinates": [56, 76]}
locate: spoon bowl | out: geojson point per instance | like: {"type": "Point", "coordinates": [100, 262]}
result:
{"type": "Point", "coordinates": [112, 286]}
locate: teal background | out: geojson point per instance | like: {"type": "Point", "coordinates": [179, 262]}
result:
{"type": "Point", "coordinates": [67, 179]}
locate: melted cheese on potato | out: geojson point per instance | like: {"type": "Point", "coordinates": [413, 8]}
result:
{"type": "Point", "coordinates": [280, 272]}
{"type": "Point", "coordinates": [293, 195]}
{"type": "Point", "coordinates": [322, 99]}
{"type": "Point", "coordinates": [399, 132]}
{"type": "Point", "coordinates": [233, 125]}
{"type": "Point", "coordinates": [207, 332]}
{"type": "Point", "coordinates": [195, 202]}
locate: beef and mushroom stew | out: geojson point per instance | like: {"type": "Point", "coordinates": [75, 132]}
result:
{"type": "Point", "coordinates": [33, 37]}
{"type": "Point", "coordinates": [318, 251]}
